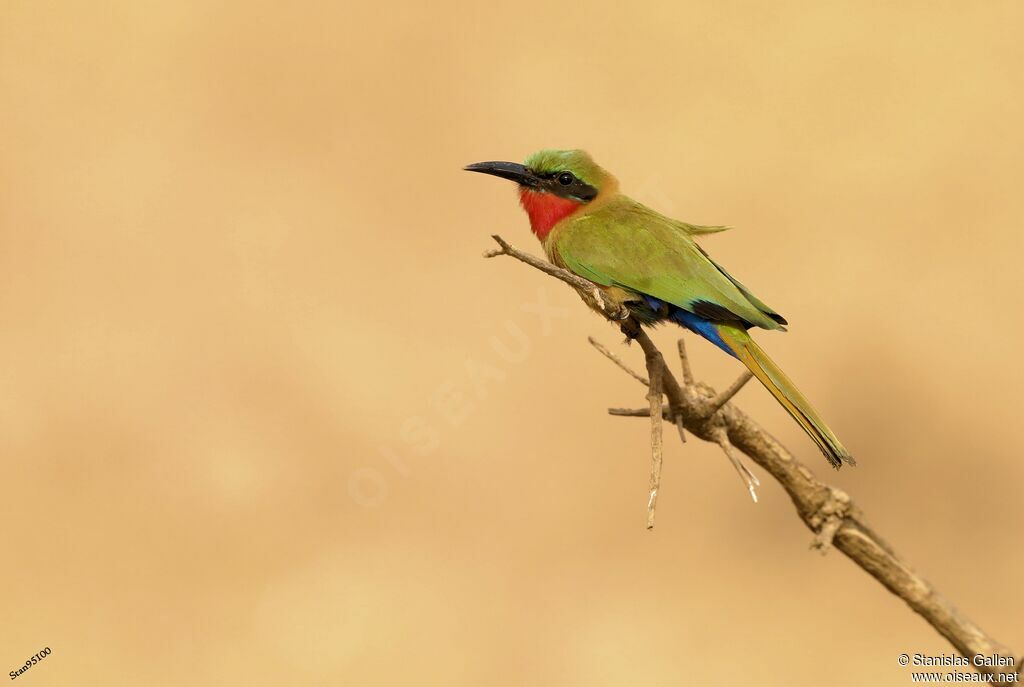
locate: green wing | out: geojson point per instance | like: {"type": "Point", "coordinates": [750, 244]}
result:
{"type": "Point", "coordinates": [627, 245]}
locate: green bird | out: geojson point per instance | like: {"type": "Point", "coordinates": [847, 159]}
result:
{"type": "Point", "coordinates": [651, 264]}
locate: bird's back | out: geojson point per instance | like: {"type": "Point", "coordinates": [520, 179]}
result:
{"type": "Point", "coordinates": [620, 242]}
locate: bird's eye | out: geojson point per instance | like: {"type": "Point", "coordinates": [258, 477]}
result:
{"type": "Point", "coordinates": [566, 179]}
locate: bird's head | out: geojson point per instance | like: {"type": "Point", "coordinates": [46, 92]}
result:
{"type": "Point", "coordinates": [553, 184]}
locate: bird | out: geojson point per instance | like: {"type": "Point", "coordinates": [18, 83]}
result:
{"type": "Point", "coordinates": [651, 265]}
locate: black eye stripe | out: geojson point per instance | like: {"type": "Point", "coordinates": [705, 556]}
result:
{"type": "Point", "coordinates": [568, 185]}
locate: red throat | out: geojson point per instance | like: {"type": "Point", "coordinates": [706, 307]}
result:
{"type": "Point", "coordinates": [545, 210]}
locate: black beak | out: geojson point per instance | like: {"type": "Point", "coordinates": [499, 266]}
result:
{"type": "Point", "coordinates": [520, 174]}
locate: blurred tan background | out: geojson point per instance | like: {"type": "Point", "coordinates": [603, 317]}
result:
{"type": "Point", "coordinates": [267, 417]}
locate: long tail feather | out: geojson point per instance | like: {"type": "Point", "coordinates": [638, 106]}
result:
{"type": "Point", "coordinates": [785, 392]}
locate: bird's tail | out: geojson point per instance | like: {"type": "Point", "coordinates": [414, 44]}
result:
{"type": "Point", "coordinates": [785, 392]}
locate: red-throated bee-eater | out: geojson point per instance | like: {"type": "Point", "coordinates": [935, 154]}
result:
{"type": "Point", "coordinates": [651, 265]}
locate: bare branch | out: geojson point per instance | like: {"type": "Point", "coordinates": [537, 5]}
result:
{"type": "Point", "coordinates": [654, 398]}
{"type": "Point", "coordinates": [750, 481]}
{"type": "Point", "coordinates": [826, 511]}
{"type": "Point", "coordinates": [636, 412]}
{"type": "Point", "coordinates": [588, 290]}
{"type": "Point", "coordinates": [680, 424]}
{"type": "Point", "coordinates": [653, 358]}
{"type": "Point", "coordinates": [617, 360]}
{"type": "Point", "coordinates": [684, 362]}
{"type": "Point", "coordinates": [715, 404]}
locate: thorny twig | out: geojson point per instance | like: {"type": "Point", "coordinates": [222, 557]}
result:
{"type": "Point", "coordinates": [828, 512]}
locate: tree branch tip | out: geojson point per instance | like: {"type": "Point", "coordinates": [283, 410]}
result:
{"type": "Point", "coordinates": [506, 248]}
{"type": "Point", "coordinates": [684, 362]}
{"type": "Point", "coordinates": [750, 480]}
{"type": "Point", "coordinates": [680, 425]}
